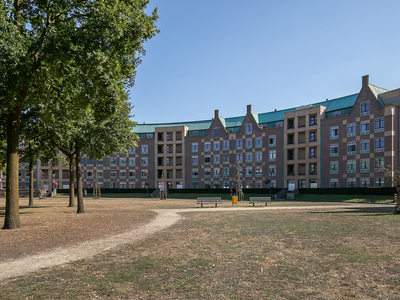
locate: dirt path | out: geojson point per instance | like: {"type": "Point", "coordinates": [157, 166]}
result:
{"type": "Point", "coordinates": [164, 219]}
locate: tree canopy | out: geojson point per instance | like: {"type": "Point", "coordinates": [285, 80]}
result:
{"type": "Point", "coordinates": [54, 53]}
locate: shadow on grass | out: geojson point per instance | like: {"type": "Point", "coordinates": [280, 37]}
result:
{"type": "Point", "coordinates": [360, 210]}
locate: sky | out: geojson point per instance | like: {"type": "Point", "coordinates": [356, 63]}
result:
{"type": "Point", "coordinates": [226, 54]}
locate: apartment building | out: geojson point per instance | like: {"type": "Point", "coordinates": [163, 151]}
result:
{"type": "Point", "coordinates": [341, 142]}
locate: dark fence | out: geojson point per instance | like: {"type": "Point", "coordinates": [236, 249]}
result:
{"type": "Point", "coordinates": [350, 191]}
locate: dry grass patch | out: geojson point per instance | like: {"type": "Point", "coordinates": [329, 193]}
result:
{"type": "Point", "coordinates": [285, 254]}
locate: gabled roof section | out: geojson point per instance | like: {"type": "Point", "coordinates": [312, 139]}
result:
{"type": "Point", "coordinates": [338, 103]}
{"type": "Point", "coordinates": [223, 121]}
{"type": "Point", "coordinates": [234, 122]}
{"type": "Point", "coordinates": [273, 116]}
{"type": "Point", "coordinates": [150, 128]}
{"type": "Point", "coordinates": [376, 90]}
{"type": "Point", "coordinates": [255, 115]}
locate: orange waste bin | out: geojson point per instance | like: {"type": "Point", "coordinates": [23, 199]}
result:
{"type": "Point", "coordinates": [234, 200]}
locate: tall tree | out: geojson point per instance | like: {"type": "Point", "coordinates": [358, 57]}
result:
{"type": "Point", "coordinates": [41, 41]}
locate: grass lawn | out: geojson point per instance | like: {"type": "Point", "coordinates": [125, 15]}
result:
{"type": "Point", "coordinates": [275, 254]}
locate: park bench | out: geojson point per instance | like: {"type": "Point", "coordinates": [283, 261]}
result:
{"type": "Point", "coordinates": [209, 200]}
{"type": "Point", "coordinates": [265, 200]}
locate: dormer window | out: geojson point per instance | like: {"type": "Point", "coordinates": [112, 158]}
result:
{"type": "Point", "coordinates": [365, 108]}
{"type": "Point", "coordinates": [249, 129]}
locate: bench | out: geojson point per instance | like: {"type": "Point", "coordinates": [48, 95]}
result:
{"type": "Point", "coordinates": [265, 200]}
{"type": "Point", "coordinates": [209, 200]}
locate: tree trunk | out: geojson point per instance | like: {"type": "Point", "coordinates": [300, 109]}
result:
{"type": "Point", "coordinates": [79, 180]}
{"type": "Point", "coordinates": [71, 181]}
{"type": "Point", "coordinates": [30, 183]}
{"type": "Point", "coordinates": [11, 219]}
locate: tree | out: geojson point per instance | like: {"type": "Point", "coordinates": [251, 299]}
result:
{"type": "Point", "coordinates": [41, 41]}
{"type": "Point", "coordinates": [394, 176]}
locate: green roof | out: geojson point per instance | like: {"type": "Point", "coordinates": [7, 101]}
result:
{"type": "Point", "coordinates": [274, 116]}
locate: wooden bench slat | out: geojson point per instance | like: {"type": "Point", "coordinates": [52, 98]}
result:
{"type": "Point", "coordinates": [265, 200]}
{"type": "Point", "coordinates": [209, 200]}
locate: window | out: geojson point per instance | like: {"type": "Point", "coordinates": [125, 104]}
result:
{"type": "Point", "coordinates": [216, 172]}
{"type": "Point", "coordinates": [351, 148]}
{"type": "Point", "coordinates": [272, 140]}
{"type": "Point", "coordinates": [248, 143]}
{"type": "Point", "coordinates": [239, 157]}
{"type": "Point", "coordinates": [364, 127]}
{"type": "Point", "coordinates": [225, 172]}
{"type": "Point", "coordinates": [131, 161]}
{"type": "Point", "coordinates": [216, 146]}
{"type": "Point", "coordinates": [334, 150]}
{"type": "Point", "coordinates": [149, 135]}
{"type": "Point", "coordinates": [312, 153]}
{"type": "Point", "coordinates": [145, 149]}
{"type": "Point", "coordinates": [195, 173]}
{"type": "Point", "coordinates": [379, 182]}
{"type": "Point", "coordinates": [216, 185]}
{"type": "Point", "coordinates": [195, 160]}
{"type": "Point", "coordinates": [351, 182]}
{"type": "Point", "coordinates": [334, 133]}
{"type": "Point", "coordinates": [351, 166]}
{"type": "Point", "coordinates": [258, 142]}
{"type": "Point", "coordinates": [379, 145]}
{"type": "Point", "coordinates": [145, 161]}
{"type": "Point", "coordinates": [364, 146]}
{"type": "Point", "coordinates": [145, 174]}
{"type": "Point", "coordinates": [207, 146]}
{"type": "Point", "coordinates": [379, 164]}
{"type": "Point", "coordinates": [272, 155]}
{"type": "Point", "coordinates": [216, 132]}
{"type": "Point", "coordinates": [122, 161]}
{"type": "Point", "coordinates": [272, 170]}
{"type": "Point", "coordinates": [364, 167]}
{"type": "Point", "coordinates": [258, 171]}
{"type": "Point", "coordinates": [337, 113]}
{"type": "Point", "coordinates": [364, 108]}
{"type": "Point", "coordinates": [334, 167]}
{"type": "Point", "coordinates": [312, 137]}
{"type": "Point", "coordinates": [364, 182]}
{"type": "Point", "coordinates": [249, 171]}
{"type": "Point", "coordinates": [113, 174]}
{"type": "Point", "coordinates": [216, 160]}
{"type": "Point", "coordinates": [249, 129]}
{"type": "Point", "coordinates": [207, 185]}
{"type": "Point", "coordinates": [225, 185]}
{"type": "Point", "coordinates": [113, 162]}
{"type": "Point", "coordinates": [195, 147]}
{"type": "Point", "coordinates": [258, 156]}
{"type": "Point", "coordinates": [132, 151]}
{"type": "Point", "coordinates": [225, 158]}
{"type": "Point", "coordinates": [312, 120]}
{"type": "Point", "coordinates": [312, 169]}
{"type": "Point", "coordinates": [122, 175]}
{"type": "Point", "coordinates": [89, 162]}
{"type": "Point", "coordinates": [207, 159]}
{"type": "Point", "coordinates": [131, 175]}
{"type": "Point", "coordinates": [99, 163]}
{"type": "Point", "coordinates": [249, 157]}
{"type": "Point", "coordinates": [351, 129]}
{"type": "Point", "coordinates": [279, 124]}
{"type": "Point", "coordinates": [239, 144]}
{"type": "Point", "coordinates": [89, 175]}
{"type": "Point", "coordinates": [225, 145]}
{"type": "Point", "coordinates": [207, 173]}
{"type": "Point", "coordinates": [258, 184]}
{"type": "Point", "coordinates": [379, 125]}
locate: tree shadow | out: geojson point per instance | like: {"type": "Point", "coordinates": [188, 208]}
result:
{"type": "Point", "coordinates": [377, 211]}
{"type": "Point", "coordinates": [3, 209]}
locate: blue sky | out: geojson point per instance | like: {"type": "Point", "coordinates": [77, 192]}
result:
{"type": "Point", "coordinates": [224, 55]}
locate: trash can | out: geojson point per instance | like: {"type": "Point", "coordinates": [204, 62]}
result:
{"type": "Point", "coordinates": [234, 200]}
{"type": "Point", "coordinates": [4, 194]}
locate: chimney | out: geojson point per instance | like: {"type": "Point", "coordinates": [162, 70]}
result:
{"type": "Point", "coordinates": [249, 109]}
{"type": "Point", "coordinates": [365, 80]}
{"type": "Point", "coordinates": [216, 114]}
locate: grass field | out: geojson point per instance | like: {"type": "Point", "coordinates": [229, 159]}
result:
{"type": "Point", "coordinates": [275, 254]}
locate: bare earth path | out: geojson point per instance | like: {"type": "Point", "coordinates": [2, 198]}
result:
{"type": "Point", "coordinates": [164, 219]}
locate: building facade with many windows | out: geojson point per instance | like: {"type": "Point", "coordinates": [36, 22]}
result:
{"type": "Point", "coordinates": [342, 142]}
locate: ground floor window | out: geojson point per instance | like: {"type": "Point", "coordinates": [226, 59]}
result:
{"type": "Point", "coordinates": [379, 182]}
{"type": "Point", "coordinates": [351, 182]}
{"type": "Point", "coordinates": [334, 183]}
{"type": "Point", "coordinates": [364, 182]}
